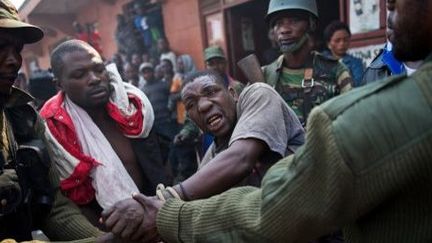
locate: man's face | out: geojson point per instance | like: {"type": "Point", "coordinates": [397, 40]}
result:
{"type": "Point", "coordinates": [84, 79]}
{"type": "Point", "coordinates": [10, 60]}
{"type": "Point", "coordinates": [339, 42]}
{"type": "Point", "coordinates": [167, 67]}
{"type": "Point", "coordinates": [217, 64]}
{"type": "Point", "coordinates": [136, 59]}
{"type": "Point", "coordinates": [412, 45]}
{"type": "Point", "coordinates": [148, 74]}
{"type": "Point", "coordinates": [162, 45]}
{"type": "Point", "coordinates": [130, 72]}
{"type": "Point", "coordinates": [289, 28]}
{"type": "Point", "coordinates": [210, 106]}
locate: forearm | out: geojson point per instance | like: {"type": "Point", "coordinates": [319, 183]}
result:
{"type": "Point", "coordinates": [302, 197]}
{"type": "Point", "coordinates": [224, 171]}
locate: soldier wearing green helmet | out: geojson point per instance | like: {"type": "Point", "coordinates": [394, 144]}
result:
{"type": "Point", "coordinates": [303, 78]}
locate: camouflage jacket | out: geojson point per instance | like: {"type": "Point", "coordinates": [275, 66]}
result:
{"type": "Point", "coordinates": [329, 78]}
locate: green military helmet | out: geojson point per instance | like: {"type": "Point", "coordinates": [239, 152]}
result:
{"type": "Point", "coordinates": [276, 6]}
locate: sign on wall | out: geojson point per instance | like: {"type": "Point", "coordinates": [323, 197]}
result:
{"type": "Point", "coordinates": [366, 53]}
{"type": "Point", "coordinates": [364, 15]}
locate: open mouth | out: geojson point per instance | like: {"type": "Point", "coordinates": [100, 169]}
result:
{"type": "Point", "coordinates": [214, 120]}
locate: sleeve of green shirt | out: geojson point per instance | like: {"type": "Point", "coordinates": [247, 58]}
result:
{"type": "Point", "coordinates": [189, 130]}
{"type": "Point", "coordinates": [311, 190]}
{"type": "Point", "coordinates": [65, 221]}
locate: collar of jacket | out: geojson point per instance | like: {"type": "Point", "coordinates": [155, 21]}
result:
{"type": "Point", "coordinates": [17, 97]}
{"type": "Point", "coordinates": [54, 109]}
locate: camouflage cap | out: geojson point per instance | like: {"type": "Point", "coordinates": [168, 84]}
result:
{"type": "Point", "coordinates": [9, 20]}
{"type": "Point", "coordinates": [212, 52]}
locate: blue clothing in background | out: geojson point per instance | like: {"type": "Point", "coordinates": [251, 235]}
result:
{"type": "Point", "coordinates": [354, 64]}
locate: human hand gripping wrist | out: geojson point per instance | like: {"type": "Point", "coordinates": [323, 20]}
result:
{"type": "Point", "coordinates": [133, 219]}
{"type": "Point", "coordinates": [147, 231]}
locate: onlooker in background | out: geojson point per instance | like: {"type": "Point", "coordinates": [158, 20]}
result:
{"type": "Point", "coordinates": [126, 39]}
{"type": "Point", "coordinates": [215, 60]}
{"type": "Point", "coordinates": [131, 74]}
{"type": "Point", "coordinates": [166, 53]}
{"type": "Point", "coordinates": [79, 31]}
{"type": "Point", "coordinates": [158, 72]}
{"type": "Point", "coordinates": [337, 36]}
{"type": "Point", "coordinates": [143, 23]}
{"type": "Point", "coordinates": [136, 59]}
{"type": "Point", "coordinates": [385, 64]}
{"type": "Point", "coordinates": [117, 59]}
{"type": "Point", "coordinates": [158, 93]}
{"type": "Point", "coordinates": [183, 159]}
{"type": "Point", "coordinates": [88, 34]}
{"type": "Point", "coordinates": [185, 66]}
{"type": "Point", "coordinates": [94, 37]}
{"type": "Point", "coordinates": [168, 71]}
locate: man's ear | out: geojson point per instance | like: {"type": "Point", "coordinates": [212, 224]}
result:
{"type": "Point", "coordinates": [233, 93]}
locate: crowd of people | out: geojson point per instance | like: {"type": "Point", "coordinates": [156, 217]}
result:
{"type": "Point", "coordinates": [147, 148]}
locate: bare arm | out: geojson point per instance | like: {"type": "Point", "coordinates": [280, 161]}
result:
{"type": "Point", "coordinates": [225, 170]}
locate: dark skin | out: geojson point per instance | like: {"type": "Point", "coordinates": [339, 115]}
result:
{"type": "Point", "coordinates": [131, 73]}
{"type": "Point", "coordinates": [213, 108]}
{"type": "Point", "coordinates": [217, 64]}
{"type": "Point", "coordinates": [406, 47]}
{"type": "Point", "coordinates": [85, 80]}
{"type": "Point", "coordinates": [10, 60]}
{"type": "Point", "coordinates": [288, 29]}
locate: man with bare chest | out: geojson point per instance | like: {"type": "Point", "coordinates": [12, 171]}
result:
{"type": "Point", "coordinates": [99, 129]}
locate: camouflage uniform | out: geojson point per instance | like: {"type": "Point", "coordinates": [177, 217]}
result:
{"type": "Point", "coordinates": [328, 78]}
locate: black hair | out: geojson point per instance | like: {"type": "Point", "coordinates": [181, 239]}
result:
{"type": "Point", "coordinates": [217, 77]}
{"type": "Point", "coordinates": [333, 27]}
{"type": "Point", "coordinates": [64, 48]}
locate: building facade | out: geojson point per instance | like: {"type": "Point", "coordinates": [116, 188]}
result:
{"type": "Point", "coordinates": [238, 26]}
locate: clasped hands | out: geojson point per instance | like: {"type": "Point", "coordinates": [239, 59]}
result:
{"type": "Point", "coordinates": [132, 219]}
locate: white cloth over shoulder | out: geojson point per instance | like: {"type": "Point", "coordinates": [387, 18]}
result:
{"type": "Point", "coordinates": [120, 98]}
{"type": "Point", "coordinates": [111, 181]}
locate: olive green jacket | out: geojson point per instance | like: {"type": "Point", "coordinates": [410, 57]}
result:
{"type": "Point", "coordinates": [65, 221]}
{"type": "Point", "coordinates": [365, 167]}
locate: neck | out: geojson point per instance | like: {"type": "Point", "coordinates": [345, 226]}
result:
{"type": "Point", "coordinates": [336, 56]}
{"type": "Point", "coordinates": [414, 65]}
{"type": "Point", "coordinates": [297, 59]}
{"type": "Point", "coordinates": [221, 141]}
{"type": "Point", "coordinates": [98, 114]}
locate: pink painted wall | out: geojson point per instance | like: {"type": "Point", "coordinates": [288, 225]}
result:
{"type": "Point", "coordinates": [181, 21]}
{"type": "Point", "coordinates": [183, 28]}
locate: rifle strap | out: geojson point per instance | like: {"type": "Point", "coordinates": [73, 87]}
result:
{"type": "Point", "coordinates": [307, 85]}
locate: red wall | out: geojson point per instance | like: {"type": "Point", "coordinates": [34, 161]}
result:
{"type": "Point", "coordinates": [106, 15]}
{"type": "Point", "coordinates": [183, 28]}
{"type": "Point", "coordinates": [181, 21]}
